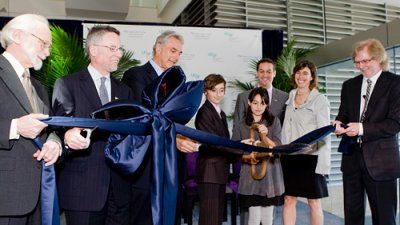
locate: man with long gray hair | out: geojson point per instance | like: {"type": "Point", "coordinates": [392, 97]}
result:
{"type": "Point", "coordinates": [24, 101]}
{"type": "Point", "coordinates": [370, 109]}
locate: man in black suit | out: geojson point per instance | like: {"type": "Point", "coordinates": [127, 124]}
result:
{"type": "Point", "coordinates": [370, 107]}
{"type": "Point", "coordinates": [92, 191]}
{"type": "Point", "coordinates": [26, 39]}
{"type": "Point", "coordinates": [166, 53]}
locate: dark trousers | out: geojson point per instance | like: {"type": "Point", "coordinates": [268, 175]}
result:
{"type": "Point", "coordinates": [212, 203]}
{"type": "Point", "coordinates": [382, 196]}
{"type": "Point", "coordinates": [111, 214]}
{"type": "Point", "coordinates": [32, 218]}
{"type": "Point", "coordinates": [141, 207]}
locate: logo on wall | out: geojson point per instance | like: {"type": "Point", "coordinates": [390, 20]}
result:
{"type": "Point", "coordinates": [215, 58]}
{"type": "Point", "coordinates": [196, 76]}
{"type": "Point", "coordinates": [231, 37]}
{"type": "Point", "coordinates": [200, 35]}
{"type": "Point", "coordinates": [147, 54]}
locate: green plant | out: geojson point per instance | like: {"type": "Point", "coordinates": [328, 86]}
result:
{"type": "Point", "coordinates": [68, 56]}
{"type": "Point", "coordinates": [286, 62]}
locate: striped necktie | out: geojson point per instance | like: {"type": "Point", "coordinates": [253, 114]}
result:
{"type": "Point", "coordinates": [367, 95]}
{"type": "Point", "coordinates": [30, 92]}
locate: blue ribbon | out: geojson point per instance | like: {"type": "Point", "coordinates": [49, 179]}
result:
{"type": "Point", "coordinates": [152, 126]}
{"type": "Point", "coordinates": [48, 194]}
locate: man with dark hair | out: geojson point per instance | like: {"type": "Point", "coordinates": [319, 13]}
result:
{"type": "Point", "coordinates": [370, 108]}
{"type": "Point", "coordinates": [24, 101]}
{"type": "Point", "coordinates": [265, 73]}
{"type": "Point", "coordinates": [91, 191]}
{"type": "Point", "coordinates": [167, 50]}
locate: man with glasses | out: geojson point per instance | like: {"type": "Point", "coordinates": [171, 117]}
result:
{"type": "Point", "coordinates": [91, 191]}
{"type": "Point", "coordinates": [369, 117]}
{"type": "Point", "coordinates": [24, 101]}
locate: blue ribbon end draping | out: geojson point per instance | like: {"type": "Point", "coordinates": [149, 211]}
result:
{"type": "Point", "coordinates": [50, 212]}
{"type": "Point", "coordinates": [136, 129]}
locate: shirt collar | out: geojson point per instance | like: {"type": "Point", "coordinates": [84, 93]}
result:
{"type": "Point", "coordinates": [19, 69]}
{"type": "Point", "coordinates": [216, 107]}
{"type": "Point", "coordinates": [96, 75]}
{"type": "Point", "coordinates": [374, 78]}
{"type": "Point", "coordinates": [156, 67]}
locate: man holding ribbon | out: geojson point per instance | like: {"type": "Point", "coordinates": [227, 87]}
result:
{"type": "Point", "coordinates": [167, 51]}
{"type": "Point", "coordinates": [27, 40]}
{"type": "Point", "coordinates": [369, 120]}
{"type": "Point", "coordinates": [91, 191]}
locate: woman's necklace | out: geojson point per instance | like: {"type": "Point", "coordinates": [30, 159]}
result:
{"type": "Point", "coordinates": [301, 98]}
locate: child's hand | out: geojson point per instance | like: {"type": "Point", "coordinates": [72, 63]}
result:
{"type": "Point", "coordinates": [247, 141]}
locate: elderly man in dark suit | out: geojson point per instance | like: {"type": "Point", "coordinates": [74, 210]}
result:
{"type": "Point", "coordinates": [26, 39]}
{"type": "Point", "coordinates": [92, 191]}
{"type": "Point", "coordinates": [370, 107]}
{"type": "Point", "coordinates": [166, 53]}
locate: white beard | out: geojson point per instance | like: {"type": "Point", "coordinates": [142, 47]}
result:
{"type": "Point", "coordinates": [31, 53]}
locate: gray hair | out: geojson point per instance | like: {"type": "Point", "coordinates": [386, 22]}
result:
{"type": "Point", "coordinates": [164, 36]}
{"type": "Point", "coordinates": [96, 34]}
{"type": "Point", "coordinates": [25, 22]}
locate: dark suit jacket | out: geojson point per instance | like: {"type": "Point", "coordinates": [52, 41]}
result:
{"type": "Point", "coordinates": [137, 78]}
{"type": "Point", "coordinates": [212, 164]}
{"type": "Point", "coordinates": [84, 176]}
{"type": "Point", "coordinates": [20, 173]}
{"type": "Point", "coordinates": [380, 147]}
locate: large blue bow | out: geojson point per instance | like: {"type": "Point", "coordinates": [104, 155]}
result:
{"type": "Point", "coordinates": [153, 126]}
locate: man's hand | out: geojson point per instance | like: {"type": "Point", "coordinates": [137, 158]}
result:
{"type": "Point", "coordinates": [74, 140]}
{"type": "Point", "coordinates": [339, 130]}
{"type": "Point", "coordinates": [185, 144]}
{"type": "Point", "coordinates": [352, 130]}
{"type": "Point", "coordinates": [49, 153]}
{"type": "Point", "coordinates": [30, 126]}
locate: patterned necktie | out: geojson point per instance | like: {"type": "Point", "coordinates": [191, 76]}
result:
{"type": "Point", "coordinates": [103, 91]}
{"type": "Point", "coordinates": [367, 95]}
{"type": "Point", "coordinates": [26, 82]}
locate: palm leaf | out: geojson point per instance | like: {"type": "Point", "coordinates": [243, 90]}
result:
{"type": "Point", "coordinates": [286, 62]}
{"type": "Point", "coordinates": [126, 62]}
{"type": "Point", "coordinates": [68, 56]}
{"type": "Point", "coordinates": [243, 86]}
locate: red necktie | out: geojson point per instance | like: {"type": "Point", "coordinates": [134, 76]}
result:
{"type": "Point", "coordinates": [164, 88]}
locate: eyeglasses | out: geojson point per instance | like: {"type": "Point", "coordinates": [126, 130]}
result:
{"type": "Point", "coordinates": [112, 48]}
{"type": "Point", "coordinates": [43, 44]}
{"type": "Point", "coordinates": [365, 61]}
